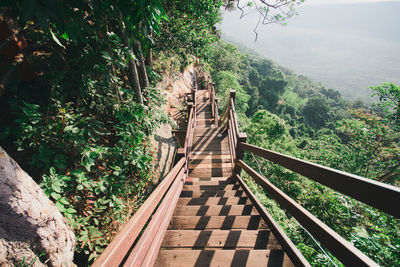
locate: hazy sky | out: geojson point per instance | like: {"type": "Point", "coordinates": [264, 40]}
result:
{"type": "Point", "coordinates": [325, 2]}
{"type": "Point", "coordinates": [346, 47]}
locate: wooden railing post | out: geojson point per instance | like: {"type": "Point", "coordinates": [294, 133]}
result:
{"type": "Point", "coordinates": [189, 107]}
{"type": "Point", "coordinates": [216, 113]}
{"type": "Point", "coordinates": [242, 138]}
{"type": "Point", "coordinates": [232, 95]}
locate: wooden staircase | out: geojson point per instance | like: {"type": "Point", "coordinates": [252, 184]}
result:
{"type": "Point", "coordinates": [203, 213]}
{"type": "Point", "coordinates": [214, 222]}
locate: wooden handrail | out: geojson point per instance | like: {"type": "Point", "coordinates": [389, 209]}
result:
{"type": "Point", "coordinates": [159, 206]}
{"type": "Point", "coordinates": [293, 253]}
{"type": "Point", "coordinates": [119, 247]}
{"type": "Point", "coordinates": [343, 250]}
{"type": "Point", "coordinates": [376, 194]}
{"type": "Point", "coordinates": [145, 251]}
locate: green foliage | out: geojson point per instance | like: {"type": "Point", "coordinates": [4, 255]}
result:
{"type": "Point", "coordinates": [191, 26]}
{"type": "Point", "coordinates": [316, 111]}
{"type": "Point", "coordinates": [226, 81]}
{"type": "Point", "coordinates": [324, 130]}
{"type": "Point", "coordinates": [389, 101]}
{"type": "Point", "coordinates": [265, 126]}
{"type": "Point", "coordinates": [97, 169]}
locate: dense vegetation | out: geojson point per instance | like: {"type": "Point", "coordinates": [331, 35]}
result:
{"type": "Point", "coordinates": [288, 113]}
{"type": "Point", "coordinates": [83, 127]}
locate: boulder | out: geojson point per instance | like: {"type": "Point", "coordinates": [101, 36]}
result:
{"type": "Point", "coordinates": [30, 224]}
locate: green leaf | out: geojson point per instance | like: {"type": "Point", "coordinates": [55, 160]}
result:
{"type": "Point", "coordinates": [60, 206]}
{"type": "Point", "coordinates": [56, 187]}
{"type": "Point", "coordinates": [55, 38]}
{"type": "Point", "coordinates": [65, 36]}
{"type": "Point", "coordinates": [70, 210]}
{"type": "Point", "coordinates": [55, 196]}
{"type": "Point", "coordinates": [64, 200]}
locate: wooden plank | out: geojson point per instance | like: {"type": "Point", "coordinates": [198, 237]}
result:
{"type": "Point", "coordinates": [204, 108]}
{"type": "Point", "coordinates": [117, 249]}
{"type": "Point", "coordinates": [202, 141]}
{"type": "Point", "coordinates": [204, 172]}
{"type": "Point", "coordinates": [210, 160]}
{"type": "Point", "coordinates": [206, 131]}
{"type": "Point", "coordinates": [204, 115]}
{"type": "Point", "coordinates": [214, 152]}
{"type": "Point", "coordinates": [212, 193]}
{"type": "Point", "coordinates": [252, 222]}
{"type": "Point", "coordinates": [341, 248]}
{"type": "Point", "coordinates": [216, 210]}
{"type": "Point", "coordinates": [208, 156]}
{"type": "Point", "coordinates": [218, 147]}
{"type": "Point", "coordinates": [204, 123]}
{"type": "Point", "coordinates": [210, 180]}
{"type": "Point", "coordinates": [374, 193]}
{"type": "Point", "coordinates": [150, 241]}
{"type": "Point", "coordinates": [214, 146]}
{"type": "Point", "coordinates": [222, 258]}
{"type": "Point", "coordinates": [220, 239]}
{"type": "Point", "coordinates": [212, 187]}
{"type": "Point", "coordinates": [205, 119]}
{"type": "Point", "coordinates": [294, 254]}
{"type": "Point", "coordinates": [213, 201]}
{"type": "Point", "coordinates": [207, 141]}
{"type": "Point", "coordinates": [209, 165]}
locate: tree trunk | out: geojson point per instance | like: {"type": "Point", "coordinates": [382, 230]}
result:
{"type": "Point", "coordinates": [30, 224]}
{"type": "Point", "coordinates": [149, 58]}
{"type": "Point", "coordinates": [144, 80]}
{"type": "Point", "coordinates": [134, 80]}
{"type": "Point", "coordinates": [133, 76]}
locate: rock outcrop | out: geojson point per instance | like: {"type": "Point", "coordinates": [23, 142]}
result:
{"type": "Point", "coordinates": [164, 141]}
{"type": "Point", "coordinates": [30, 224]}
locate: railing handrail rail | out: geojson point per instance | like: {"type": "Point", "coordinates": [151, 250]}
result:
{"type": "Point", "coordinates": [342, 249]}
{"type": "Point", "coordinates": [120, 245]}
{"type": "Point", "coordinates": [343, 182]}
{"type": "Point", "coordinates": [159, 204]}
{"type": "Point", "coordinates": [374, 193]}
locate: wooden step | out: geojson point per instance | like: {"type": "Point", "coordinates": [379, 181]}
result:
{"type": "Point", "coordinates": [225, 152]}
{"type": "Point", "coordinates": [203, 115]}
{"type": "Point", "coordinates": [211, 160]}
{"type": "Point", "coordinates": [210, 180]}
{"type": "Point", "coordinates": [203, 123]}
{"type": "Point", "coordinates": [252, 222]}
{"type": "Point", "coordinates": [211, 135]}
{"type": "Point", "coordinates": [209, 165]}
{"type": "Point", "coordinates": [207, 201]}
{"type": "Point", "coordinates": [215, 210]}
{"type": "Point", "coordinates": [212, 193]}
{"type": "Point", "coordinates": [210, 172]}
{"type": "Point", "coordinates": [220, 239]}
{"type": "Point", "coordinates": [210, 144]}
{"type": "Point", "coordinates": [201, 131]}
{"type": "Point", "coordinates": [222, 258]}
{"type": "Point", "coordinates": [196, 156]}
{"type": "Point", "coordinates": [203, 107]}
{"type": "Point", "coordinates": [208, 186]}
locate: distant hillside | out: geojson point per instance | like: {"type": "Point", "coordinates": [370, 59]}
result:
{"type": "Point", "coordinates": [346, 47]}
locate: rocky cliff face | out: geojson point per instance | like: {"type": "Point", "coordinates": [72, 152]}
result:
{"type": "Point", "coordinates": [164, 140]}
{"type": "Point", "coordinates": [30, 224]}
